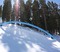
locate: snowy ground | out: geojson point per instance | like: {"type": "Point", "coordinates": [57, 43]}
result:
{"type": "Point", "coordinates": [0, 19]}
{"type": "Point", "coordinates": [57, 37]}
{"type": "Point", "coordinates": [14, 38]}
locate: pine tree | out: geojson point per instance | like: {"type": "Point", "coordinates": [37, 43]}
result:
{"type": "Point", "coordinates": [28, 10]}
{"type": "Point", "coordinates": [6, 14]}
{"type": "Point", "coordinates": [0, 10]}
{"type": "Point", "coordinates": [13, 14]}
{"type": "Point", "coordinates": [53, 20]}
{"type": "Point", "coordinates": [22, 11]}
{"type": "Point", "coordinates": [36, 15]}
{"type": "Point", "coordinates": [43, 7]}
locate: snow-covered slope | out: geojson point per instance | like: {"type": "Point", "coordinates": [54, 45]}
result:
{"type": "Point", "coordinates": [14, 38]}
{"type": "Point", "coordinates": [57, 37]}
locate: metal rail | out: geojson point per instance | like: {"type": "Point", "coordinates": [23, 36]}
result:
{"type": "Point", "coordinates": [28, 24]}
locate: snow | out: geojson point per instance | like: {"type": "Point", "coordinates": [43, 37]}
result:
{"type": "Point", "coordinates": [57, 37]}
{"type": "Point", "coordinates": [0, 19]}
{"type": "Point", "coordinates": [15, 38]}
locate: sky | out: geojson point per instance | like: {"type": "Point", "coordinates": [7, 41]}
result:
{"type": "Point", "coordinates": [1, 2]}
{"type": "Point", "coordinates": [56, 1]}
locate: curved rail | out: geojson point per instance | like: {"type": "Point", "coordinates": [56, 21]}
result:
{"type": "Point", "coordinates": [28, 24]}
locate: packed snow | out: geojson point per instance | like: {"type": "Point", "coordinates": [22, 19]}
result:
{"type": "Point", "coordinates": [15, 38]}
{"type": "Point", "coordinates": [57, 37]}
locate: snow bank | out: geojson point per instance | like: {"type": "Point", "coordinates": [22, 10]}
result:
{"type": "Point", "coordinates": [14, 38]}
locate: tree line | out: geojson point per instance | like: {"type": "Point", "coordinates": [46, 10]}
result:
{"type": "Point", "coordinates": [39, 13]}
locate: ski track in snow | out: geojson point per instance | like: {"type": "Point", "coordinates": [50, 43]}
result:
{"type": "Point", "coordinates": [14, 38]}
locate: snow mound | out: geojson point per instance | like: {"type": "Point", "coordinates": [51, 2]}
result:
{"type": "Point", "coordinates": [15, 38]}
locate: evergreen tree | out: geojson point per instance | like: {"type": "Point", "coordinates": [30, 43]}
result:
{"type": "Point", "coordinates": [44, 12]}
{"type": "Point", "coordinates": [28, 10]}
{"type": "Point", "coordinates": [59, 20]}
{"type": "Point", "coordinates": [53, 20]}
{"type": "Point", "coordinates": [22, 11]}
{"type": "Point", "coordinates": [36, 15]}
{"type": "Point", "coordinates": [6, 14]}
{"type": "Point", "coordinates": [13, 13]}
{"type": "Point", "coordinates": [1, 11]}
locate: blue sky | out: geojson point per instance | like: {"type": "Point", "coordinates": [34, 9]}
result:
{"type": "Point", "coordinates": [57, 1]}
{"type": "Point", "coordinates": [1, 2]}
